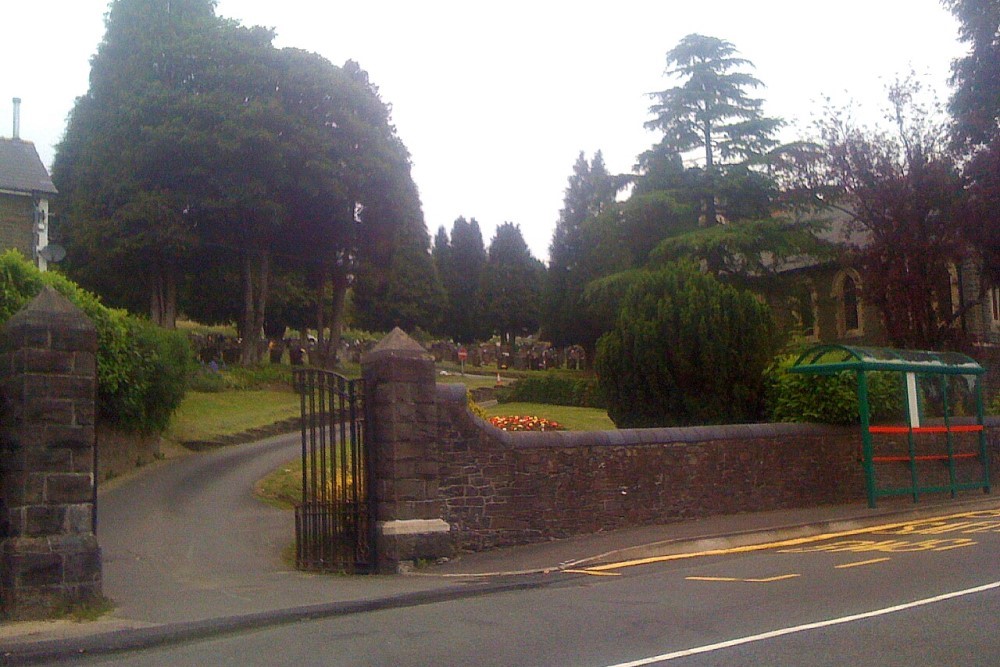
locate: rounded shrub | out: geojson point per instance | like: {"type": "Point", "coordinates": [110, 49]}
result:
{"type": "Point", "coordinates": [685, 349]}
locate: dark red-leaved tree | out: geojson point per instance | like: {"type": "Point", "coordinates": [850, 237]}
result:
{"type": "Point", "coordinates": [903, 189]}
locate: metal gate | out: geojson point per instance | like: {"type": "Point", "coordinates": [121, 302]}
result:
{"type": "Point", "coordinates": [333, 526]}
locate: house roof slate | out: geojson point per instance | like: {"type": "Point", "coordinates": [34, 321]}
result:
{"type": "Point", "coordinates": [21, 170]}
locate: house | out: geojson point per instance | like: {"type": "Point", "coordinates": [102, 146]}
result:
{"type": "Point", "coordinates": [25, 189]}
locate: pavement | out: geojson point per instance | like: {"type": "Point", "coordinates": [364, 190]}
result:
{"type": "Point", "coordinates": [294, 596]}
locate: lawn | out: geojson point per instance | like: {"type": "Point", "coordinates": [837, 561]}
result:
{"type": "Point", "coordinates": [206, 416]}
{"type": "Point", "coordinates": [574, 419]}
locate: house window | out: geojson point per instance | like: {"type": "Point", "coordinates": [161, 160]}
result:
{"type": "Point", "coordinates": [847, 291]}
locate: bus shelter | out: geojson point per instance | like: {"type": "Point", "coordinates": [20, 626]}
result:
{"type": "Point", "coordinates": [926, 432]}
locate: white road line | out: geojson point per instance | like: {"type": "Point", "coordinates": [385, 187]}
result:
{"type": "Point", "coordinates": [801, 628]}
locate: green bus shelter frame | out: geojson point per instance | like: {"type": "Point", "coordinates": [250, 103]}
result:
{"type": "Point", "coordinates": [829, 359]}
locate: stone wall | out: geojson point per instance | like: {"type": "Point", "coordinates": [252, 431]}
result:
{"type": "Point", "coordinates": [503, 488]}
{"type": "Point", "coordinates": [120, 452]}
{"type": "Point", "coordinates": [49, 556]}
{"type": "Point", "coordinates": [445, 478]}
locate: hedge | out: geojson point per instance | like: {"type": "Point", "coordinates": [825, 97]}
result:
{"type": "Point", "coordinates": [142, 369]}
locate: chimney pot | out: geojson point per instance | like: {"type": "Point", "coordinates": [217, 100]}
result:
{"type": "Point", "coordinates": [17, 118]}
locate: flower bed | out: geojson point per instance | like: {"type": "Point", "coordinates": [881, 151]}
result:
{"type": "Point", "coordinates": [516, 423]}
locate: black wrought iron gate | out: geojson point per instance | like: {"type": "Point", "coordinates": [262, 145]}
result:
{"type": "Point", "coordinates": [333, 526]}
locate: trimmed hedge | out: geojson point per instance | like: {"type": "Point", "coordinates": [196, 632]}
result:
{"type": "Point", "coordinates": [555, 388]}
{"type": "Point", "coordinates": [142, 369]}
{"type": "Point", "coordinates": [829, 399]}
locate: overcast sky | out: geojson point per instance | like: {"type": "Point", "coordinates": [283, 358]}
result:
{"type": "Point", "coordinates": [496, 100]}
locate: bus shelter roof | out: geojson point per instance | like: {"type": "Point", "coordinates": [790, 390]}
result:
{"type": "Point", "coordinates": [830, 359]}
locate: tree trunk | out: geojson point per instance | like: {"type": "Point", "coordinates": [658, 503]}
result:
{"type": "Point", "coordinates": [256, 271]}
{"type": "Point", "coordinates": [340, 285]}
{"type": "Point", "coordinates": [163, 298]}
{"type": "Point", "coordinates": [320, 351]}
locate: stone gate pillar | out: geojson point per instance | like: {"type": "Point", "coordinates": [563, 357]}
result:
{"type": "Point", "coordinates": [49, 556]}
{"type": "Point", "coordinates": [400, 392]}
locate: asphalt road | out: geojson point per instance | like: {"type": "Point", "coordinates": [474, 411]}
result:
{"type": "Point", "coordinates": [193, 527]}
{"type": "Point", "coordinates": [925, 594]}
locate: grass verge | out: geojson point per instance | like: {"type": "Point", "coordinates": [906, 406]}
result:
{"type": "Point", "coordinates": [207, 416]}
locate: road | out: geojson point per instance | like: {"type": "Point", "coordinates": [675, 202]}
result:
{"type": "Point", "coordinates": [926, 593]}
{"type": "Point", "coordinates": [193, 525]}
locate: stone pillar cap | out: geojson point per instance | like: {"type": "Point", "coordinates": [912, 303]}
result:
{"type": "Point", "coordinates": [50, 303]}
{"type": "Point", "coordinates": [397, 344]}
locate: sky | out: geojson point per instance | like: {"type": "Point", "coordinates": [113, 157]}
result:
{"type": "Point", "coordinates": [495, 101]}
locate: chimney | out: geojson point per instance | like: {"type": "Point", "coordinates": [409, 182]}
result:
{"type": "Point", "coordinates": [17, 118]}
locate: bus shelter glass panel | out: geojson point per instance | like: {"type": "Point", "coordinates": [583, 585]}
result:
{"type": "Point", "coordinates": [921, 416]}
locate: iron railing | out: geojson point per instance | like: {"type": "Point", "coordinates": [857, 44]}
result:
{"type": "Point", "coordinates": [333, 525]}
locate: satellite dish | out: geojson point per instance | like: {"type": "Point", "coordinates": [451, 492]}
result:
{"type": "Point", "coordinates": [52, 253]}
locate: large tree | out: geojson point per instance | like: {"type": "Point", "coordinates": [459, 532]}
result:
{"type": "Point", "coordinates": [201, 150]}
{"type": "Point", "coordinates": [460, 262]}
{"type": "Point", "coordinates": [712, 111]}
{"type": "Point", "coordinates": [512, 285]}
{"type": "Point", "coordinates": [590, 193]}
{"type": "Point", "coordinates": [127, 165]}
{"type": "Point", "coordinates": [975, 106]}
{"type": "Point", "coordinates": [975, 103]}
{"type": "Point", "coordinates": [903, 189]}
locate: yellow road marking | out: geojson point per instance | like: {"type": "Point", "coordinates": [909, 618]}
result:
{"type": "Point", "coordinates": [794, 542]}
{"type": "Point", "coordinates": [862, 562]}
{"type": "Point", "coordinates": [765, 580]}
{"type": "Point", "coordinates": [595, 574]}
{"type": "Point", "coordinates": [884, 546]}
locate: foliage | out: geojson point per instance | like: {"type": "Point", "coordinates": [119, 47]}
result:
{"type": "Point", "coordinates": [142, 370]}
{"type": "Point", "coordinates": [975, 102]}
{"type": "Point", "coordinates": [406, 293]}
{"type": "Point", "coordinates": [511, 285]}
{"type": "Point", "coordinates": [460, 263]}
{"type": "Point", "coordinates": [712, 110]}
{"type": "Point", "coordinates": [993, 407]}
{"type": "Point", "coordinates": [474, 407]}
{"type": "Point", "coordinates": [830, 399]}
{"type": "Point", "coordinates": [685, 349]}
{"type": "Point", "coordinates": [555, 389]}
{"type": "Point", "coordinates": [902, 188]}
{"type": "Point", "coordinates": [590, 192]}
{"type": "Point", "coordinates": [205, 380]}
{"type": "Point", "coordinates": [517, 423]}
{"type": "Point", "coordinates": [975, 106]}
{"type": "Point", "coordinates": [201, 155]}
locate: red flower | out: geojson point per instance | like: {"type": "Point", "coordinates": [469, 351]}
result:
{"type": "Point", "coordinates": [516, 423]}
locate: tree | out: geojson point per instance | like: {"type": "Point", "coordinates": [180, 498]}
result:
{"type": "Point", "coordinates": [975, 106]}
{"type": "Point", "coordinates": [461, 263]}
{"type": "Point", "coordinates": [409, 295]}
{"type": "Point", "coordinates": [902, 187]}
{"type": "Point", "coordinates": [199, 143]}
{"type": "Point", "coordinates": [685, 349]}
{"type": "Point", "coordinates": [591, 192]}
{"type": "Point", "coordinates": [713, 111]}
{"type": "Point", "coordinates": [125, 197]}
{"type": "Point", "coordinates": [511, 285]}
